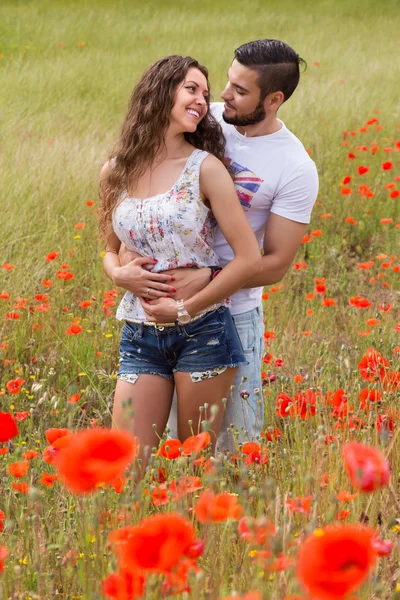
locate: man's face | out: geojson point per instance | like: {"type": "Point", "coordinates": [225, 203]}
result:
{"type": "Point", "coordinates": [242, 97]}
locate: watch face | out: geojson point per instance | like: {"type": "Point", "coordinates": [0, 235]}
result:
{"type": "Point", "coordinates": [184, 319]}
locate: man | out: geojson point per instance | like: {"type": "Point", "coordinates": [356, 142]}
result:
{"type": "Point", "coordinates": [277, 184]}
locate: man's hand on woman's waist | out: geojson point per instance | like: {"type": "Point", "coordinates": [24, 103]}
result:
{"type": "Point", "coordinates": [188, 281]}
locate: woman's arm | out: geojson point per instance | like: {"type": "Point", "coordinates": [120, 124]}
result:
{"type": "Point", "coordinates": [217, 186]}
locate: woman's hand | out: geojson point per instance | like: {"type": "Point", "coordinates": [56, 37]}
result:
{"type": "Point", "coordinates": [138, 279]}
{"type": "Point", "coordinates": [164, 310]}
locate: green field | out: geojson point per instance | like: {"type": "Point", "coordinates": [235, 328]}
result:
{"type": "Point", "coordinates": [67, 70]}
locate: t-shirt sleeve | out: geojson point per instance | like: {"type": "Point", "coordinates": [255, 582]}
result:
{"type": "Point", "coordinates": [216, 109]}
{"type": "Point", "coordinates": [296, 198]}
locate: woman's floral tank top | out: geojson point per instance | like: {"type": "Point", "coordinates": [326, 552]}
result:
{"type": "Point", "coordinates": [175, 227]}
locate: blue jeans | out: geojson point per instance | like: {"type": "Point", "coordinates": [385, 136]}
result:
{"type": "Point", "coordinates": [245, 408]}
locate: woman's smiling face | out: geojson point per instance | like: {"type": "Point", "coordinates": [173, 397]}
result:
{"type": "Point", "coordinates": [191, 101]}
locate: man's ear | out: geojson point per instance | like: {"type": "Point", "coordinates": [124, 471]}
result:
{"type": "Point", "coordinates": [274, 100]}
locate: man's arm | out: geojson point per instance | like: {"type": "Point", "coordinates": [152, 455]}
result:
{"type": "Point", "coordinates": [284, 231]}
{"type": "Point", "coordinates": [281, 243]}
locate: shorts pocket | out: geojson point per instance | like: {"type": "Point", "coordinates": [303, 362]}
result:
{"type": "Point", "coordinates": [247, 338]}
{"type": "Point", "coordinates": [208, 325]}
{"type": "Point", "coordinates": [129, 333]}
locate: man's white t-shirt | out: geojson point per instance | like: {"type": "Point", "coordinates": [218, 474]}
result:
{"type": "Point", "coordinates": [273, 173]}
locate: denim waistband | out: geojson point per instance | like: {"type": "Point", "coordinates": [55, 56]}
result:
{"type": "Point", "coordinates": [254, 313]}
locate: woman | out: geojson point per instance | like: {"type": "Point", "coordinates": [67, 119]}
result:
{"type": "Point", "coordinates": [163, 190]}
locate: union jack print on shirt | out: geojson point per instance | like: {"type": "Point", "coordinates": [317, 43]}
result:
{"type": "Point", "coordinates": [246, 182]}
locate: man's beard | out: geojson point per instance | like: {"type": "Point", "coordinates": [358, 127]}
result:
{"type": "Point", "coordinates": [253, 118]}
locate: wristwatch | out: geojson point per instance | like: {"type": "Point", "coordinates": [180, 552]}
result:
{"type": "Point", "coordinates": [183, 316]}
{"type": "Point", "coordinates": [214, 272]}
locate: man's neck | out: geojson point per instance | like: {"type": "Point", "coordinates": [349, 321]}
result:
{"type": "Point", "coordinates": [266, 127]}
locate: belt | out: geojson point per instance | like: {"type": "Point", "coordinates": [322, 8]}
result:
{"type": "Point", "coordinates": [161, 326]}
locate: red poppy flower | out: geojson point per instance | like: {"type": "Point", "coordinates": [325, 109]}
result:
{"type": "Point", "coordinates": [30, 454]}
{"type": "Point", "coordinates": [18, 469]}
{"type": "Point", "coordinates": [124, 585]}
{"type": "Point", "coordinates": [345, 496]}
{"type": "Point", "coordinates": [65, 275]}
{"type": "Point", "coordinates": [95, 456]}
{"type": "Point", "coordinates": [175, 490]}
{"type": "Point", "coordinates": [85, 304]}
{"type": "Point", "coordinates": [336, 560]}
{"type": "Point", "coordinates": [382, 547]}
{"type": "Point", "coordinates": [320, 288]}
{"type": "Point", "coordinates": [300, 504]}
{"type": "Point", "coordinates": [217, 508]}
{"type": "Point", "coordinates": [74, 398]}
{"type": "Point", "coordinates": [362, 170]}
{"type": "Point", "coordinates": [359, 302]}
{"type": "Point", "coordinates": [249, 447]}
{"type": "Point", "coordinates": [195, 443]}
{"type": "Point", "coordinates": [372, 322]}
{"type": "Point", "coordinates": [3, 555]}
{"type": "Point", "coordinates": [51, 256]}
{"type": "Point", "coordinates": [74, 329]}
{"type": "Point", "coordinates": [157, 544]}
{"type": "Point", "coordinates": [328, 302]}
{"type": "Point", "coordinates": [22, 487]}
{"type": "Point", "coordinates": [366, 395]}
{"type": "Point", "coordinates": [386, 166]}
{"type": "Point", "coordinates": [170, 449]}
{"type": "Point", "coordinates": [304, 405]}
{"type": "Point", "coordinates": [256, 458]}
{"type": "Point", "coordinates": [373, 365]}
{"type": "Point", "coordinates": [282, 403]}
{"type": "Point", "coordinates": [48, 479]}
{"type": "Point", "coordinates": [342, 515]}
{"type": "Point", "coordinates": [256, 531]}
{"type": "Point", "coordinates": [14, 386]}
{"type": "Point", "coordinates": [54, 434]}
{"type": "Point", "coordinates": [366, 467]}
{"type": "Point", "coordinates": [272, 434]}
{"type": "Point", "coordinates": [8, 427]}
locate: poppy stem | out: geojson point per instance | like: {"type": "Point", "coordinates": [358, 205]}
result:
{"type": "Point", "coordinates": [394, 496]}
{"type": "Point", "coordinates": [392, 443]}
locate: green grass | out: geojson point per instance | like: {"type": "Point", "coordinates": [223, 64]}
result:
{"type": "Point", "coordinates": [67, 70]}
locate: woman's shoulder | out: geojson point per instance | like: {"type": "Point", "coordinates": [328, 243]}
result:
{"type": "Point", "coordinates": [107, 168]}
{"type": "Point", "coordinates": [211, 165]}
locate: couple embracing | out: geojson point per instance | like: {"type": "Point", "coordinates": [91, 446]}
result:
{"type": "Point", "coordinates": [191, 193]}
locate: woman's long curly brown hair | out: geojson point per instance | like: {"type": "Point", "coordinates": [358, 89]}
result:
{"type": "Point", "coordinates": [144, 128]}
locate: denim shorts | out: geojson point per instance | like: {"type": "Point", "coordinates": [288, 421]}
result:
{"type": "Point", "coordinates": [209, 345]}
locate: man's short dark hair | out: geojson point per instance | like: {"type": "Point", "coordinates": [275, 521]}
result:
{"type": "Point", "coordinates": [277, 65]}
